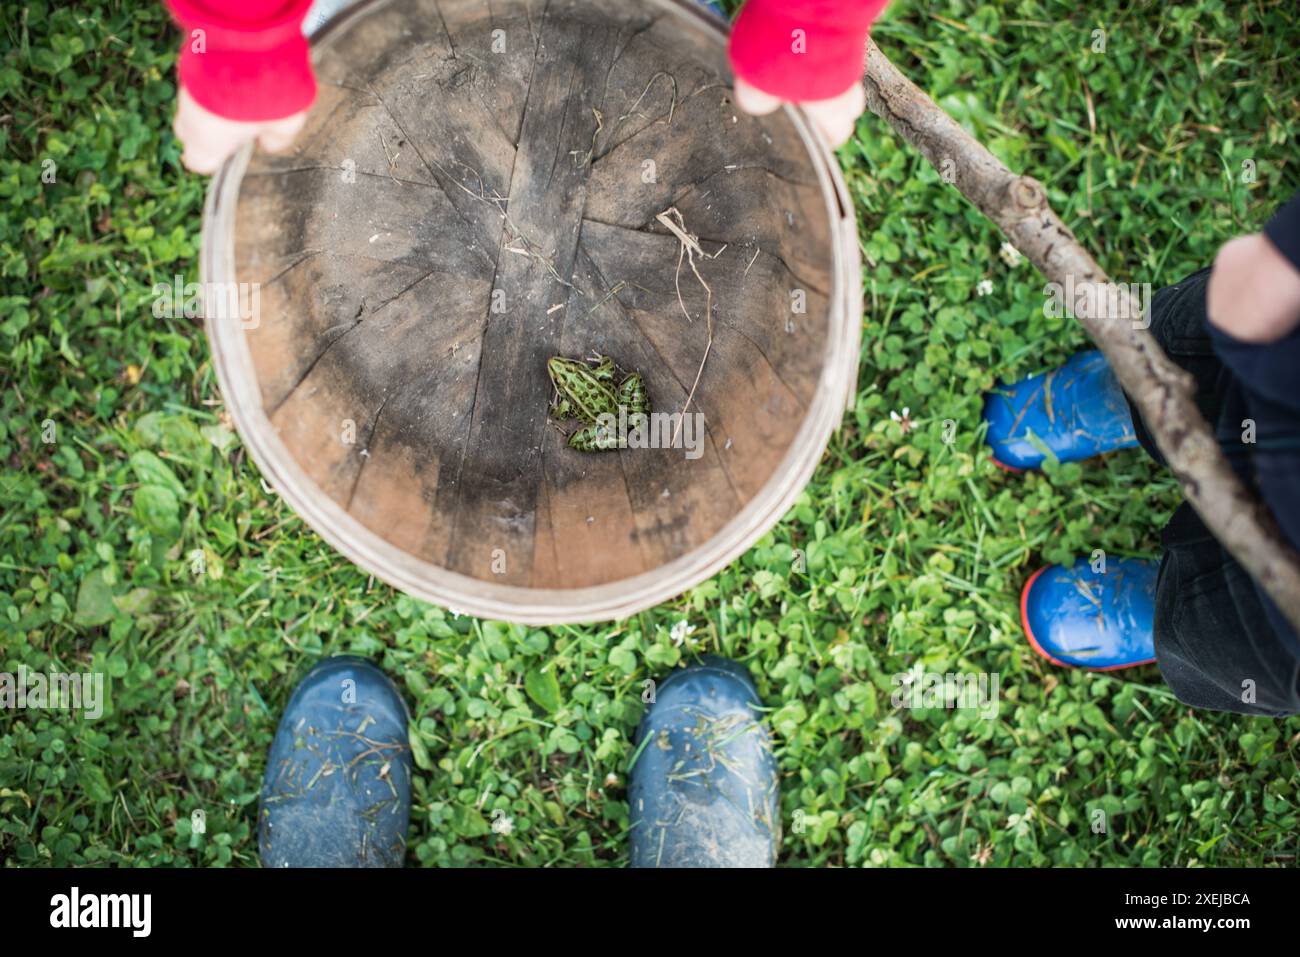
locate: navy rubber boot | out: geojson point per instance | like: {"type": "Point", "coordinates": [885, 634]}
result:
{"type": "Point", "coordinates": [1101, 620]}
{"type": "Point", "coordinates": [703, 788]}
{"type": "Point", "coordinates": [1076, 411]}
{"type": "Point", "coordinates": [337, 788]}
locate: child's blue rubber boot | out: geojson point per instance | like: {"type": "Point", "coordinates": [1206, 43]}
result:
{"type": "Point", "coordinates": [703, 787]}
{"type": "Point", "coordinates": [1102, 619]}
{"type": "Point", "coordinates": [1076, 411]}
{"type": "Point", "coordinates": [337, 788]}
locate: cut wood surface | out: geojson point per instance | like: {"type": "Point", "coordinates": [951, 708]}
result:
{"type": "Point", "coordinates": [476, 191]}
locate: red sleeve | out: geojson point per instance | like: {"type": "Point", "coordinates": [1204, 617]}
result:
{"type": "Point", "coordinates": [245, 59]}
{"type": "Point", "coordinates": [802, 49]}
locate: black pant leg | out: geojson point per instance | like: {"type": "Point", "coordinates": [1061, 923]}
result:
{"type": "Point", "coordinates": [1214, 643]}
{"type": "Point", "coordinates": [1178, 325]}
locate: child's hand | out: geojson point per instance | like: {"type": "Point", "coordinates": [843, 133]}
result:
{"type": "Point", "coordinates": [833, 118]}
{"type": "Point", "coordinates": [208, 139]}
{"type": "Point", "coordinates": [1254, 290]}
{"type": "Point", "coordinates": [809, 52]}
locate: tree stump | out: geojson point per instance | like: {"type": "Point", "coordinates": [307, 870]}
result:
{"type": "Point", "coordinates": [479, 188]}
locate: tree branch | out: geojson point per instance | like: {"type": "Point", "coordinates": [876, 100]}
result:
{"type": "Point", "coordinates": [1112, 317]}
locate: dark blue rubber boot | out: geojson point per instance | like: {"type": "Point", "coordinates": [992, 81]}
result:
{"type": "Point", "coordinates": [704, 785]}
{"type": "Point", "coordinates": [1077, 411]}
{"type": "Point", "coordinates": [1101, 619]}
{"type": "Point", "coordinates": [337, 789]}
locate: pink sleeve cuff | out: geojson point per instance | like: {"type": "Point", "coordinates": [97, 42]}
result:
{"type": "Point", "coordinates": [245, 59]}
{"type": "Point", "coordinates": [802, 49]}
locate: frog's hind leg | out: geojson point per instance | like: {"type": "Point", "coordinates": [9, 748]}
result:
{"type": "Point", "coordinates": [596, 438]}
{"type": "Point", "coordinates": [633, 396]}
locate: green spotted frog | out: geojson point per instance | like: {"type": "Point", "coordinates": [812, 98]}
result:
{"type": "Point", "coordinates": [586, 391]}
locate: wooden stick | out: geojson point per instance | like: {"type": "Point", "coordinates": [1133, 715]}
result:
{"type": "Point", "coordinates": [1161, 391]}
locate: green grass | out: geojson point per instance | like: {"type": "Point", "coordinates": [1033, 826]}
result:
{"type": "Point", "coordinates": [916, 549]}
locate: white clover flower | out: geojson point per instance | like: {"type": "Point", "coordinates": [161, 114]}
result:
{"type": "Point", "coordinates": [681, 631]}
{"type": "Point", "coordinates": [905, 420]}
{"type": "Point", "coordinates": [1010, 254]}
{"type": "Point", "coordinates": [984, 288]}
{"type": "Point", "coordinates": [505, 826]}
